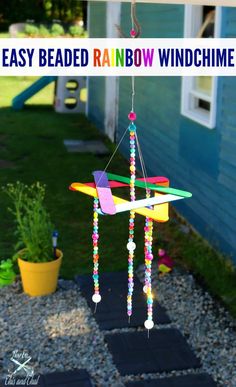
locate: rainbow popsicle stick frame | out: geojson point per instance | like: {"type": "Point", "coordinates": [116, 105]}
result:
{"type": "Point", "coordinates": [111, 204]}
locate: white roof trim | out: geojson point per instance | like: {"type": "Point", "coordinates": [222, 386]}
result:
{"type": "Point", "coordinates": [226, 3]}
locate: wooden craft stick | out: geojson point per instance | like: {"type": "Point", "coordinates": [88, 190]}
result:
{"type": "Point", "coordinates": [146, 202]}
{"type": "Point", "coordinates": [93, 192]}
{"type": "Point", "coordinates": [158, 188]}
{"type": "Point", "coordinates": [104, 193]}
{"type": "Point", "coordinates": [116, 184]}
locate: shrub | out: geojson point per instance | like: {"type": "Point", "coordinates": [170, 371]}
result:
{"type": "Point", "coordinates": [76, 30]}
{"type": "Point", "coordinates": [57, 30]}
{"type": "Point", "coordinates": [43, 31]}
{"type": "Point", "coordinates": [31, 30]}
{"type": "Point", "coordinates": [85, 34]}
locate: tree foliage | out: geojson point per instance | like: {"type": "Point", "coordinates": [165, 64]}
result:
{"type": "Point", "coordinates": [13, 11]}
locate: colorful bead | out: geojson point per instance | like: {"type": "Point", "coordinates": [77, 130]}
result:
{"type": "Point", "coordinates": [132, 116]}
{"type": "Point", "coordinates": [133, 33]}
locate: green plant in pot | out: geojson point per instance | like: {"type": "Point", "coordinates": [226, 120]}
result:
{"type": "Point", "coordinates": [38, 262]}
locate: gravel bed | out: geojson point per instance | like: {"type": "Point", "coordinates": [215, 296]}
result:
{"type": "Point", "coordinates": [58, 331]}
{"type": "Point", "coordinates": [207, 326]}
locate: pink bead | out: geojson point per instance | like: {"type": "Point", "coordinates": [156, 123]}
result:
{"type": "Point", "coordinates": [132, 33]}
{"type": "Point", "coordinates": [132, 116]}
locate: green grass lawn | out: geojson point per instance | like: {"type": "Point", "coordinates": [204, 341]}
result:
{"type": "Point", "coordinates": [32, 140]}
{"type": "Point", "coordinates": [4, 35]}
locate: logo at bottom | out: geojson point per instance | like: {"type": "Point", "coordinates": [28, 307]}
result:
{"type": "Point", "coordinates": [20, 371]}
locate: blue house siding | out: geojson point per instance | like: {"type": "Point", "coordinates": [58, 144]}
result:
{"type": "Point", "coordinates": [228, 22]}
{"type": "Point", "coordinates": [195, 158]}
{"type": "Point", "coordinates": [156, 20]}
{"type": "Point", "coordinates": [96, 95]}
{"type": "Point", "coordinates": [154, 94]}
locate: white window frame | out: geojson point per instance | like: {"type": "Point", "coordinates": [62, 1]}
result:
{"type": "Point", "coordinates": [188, 94]}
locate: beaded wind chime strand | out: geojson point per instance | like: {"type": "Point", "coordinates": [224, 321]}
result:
{"type": "Point", "coordinates": [95, 237]}
{"type": "Point", "coordinates": [148, 228]}
{"type": "Point", "coordinates": [131, 245]}
{"type": "Point", "coordinates": [148, 255]}
{"type": "Point", "coordinates": [107, 203]}
{"type": "Point", "coordinates": [132, 136]}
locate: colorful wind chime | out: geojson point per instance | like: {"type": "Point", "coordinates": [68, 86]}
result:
{"type": "Point", "coordinates": [154, 208]}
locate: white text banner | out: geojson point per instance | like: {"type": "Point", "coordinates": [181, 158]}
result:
{"type": "Point", "coordinates": [118, 57]}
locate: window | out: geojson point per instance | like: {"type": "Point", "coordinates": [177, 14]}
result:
{"type": "Point", "coordinates": [199, 93]}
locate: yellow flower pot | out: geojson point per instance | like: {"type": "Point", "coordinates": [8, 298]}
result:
{"type": "Point", "coordinates": [40, 279]}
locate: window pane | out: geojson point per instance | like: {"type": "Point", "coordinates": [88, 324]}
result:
{"type": "Point", "coordinates": [204, 105]}
{"type": "Point", "coordinates": [203, 85]}
{"type": "Point", "coordinates": [209, 22]}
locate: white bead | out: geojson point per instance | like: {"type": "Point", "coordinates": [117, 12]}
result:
{"type": "Point", "coordinates": [96, 298]}
{"type": "Point", "coordinates": [145, 289]}
{"type": "Point", "coordinates": [131, 246]}
{"type": "Point", "coordinates": [149, 324]}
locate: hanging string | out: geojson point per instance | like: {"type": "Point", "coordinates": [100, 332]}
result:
{"type": "Point", "coordinates": [135, 31]}
{"type": "Point", "coordinates": [132, 12]}
{"type": "Point", "coordinates": [143, 167]}
{"type": "Point", "coordinates": [113, 154]}
{"type": "Point", "coordinates": [133, 93]}
{"type": "Point", "coordinates": [141, 157]}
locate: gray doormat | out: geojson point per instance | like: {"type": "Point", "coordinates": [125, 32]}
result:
{"type": "Point", "coordinates": [79, 146]}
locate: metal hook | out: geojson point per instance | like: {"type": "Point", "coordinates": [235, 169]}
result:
{"type": "Point", "coordinates": [134, 21]}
